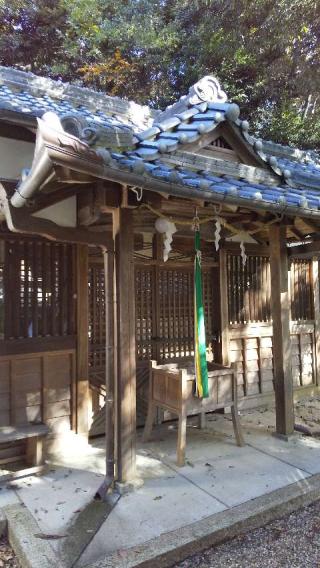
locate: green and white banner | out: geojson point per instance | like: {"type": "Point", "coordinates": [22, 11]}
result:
{"type": "Point", "coordinates": [201, 368]}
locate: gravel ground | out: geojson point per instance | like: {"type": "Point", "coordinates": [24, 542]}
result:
{"type": "Point", "coordinates": [7, 557]}
{"type": "Point", "coordinates": [290, 542]}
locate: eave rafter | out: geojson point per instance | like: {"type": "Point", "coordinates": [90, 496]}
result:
{"type": "Point", "coordinates": [21, 221]}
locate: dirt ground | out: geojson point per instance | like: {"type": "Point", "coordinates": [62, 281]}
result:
{"type": "Point", "coordinates": [307, 412]}
{"type": "Point", "coordinates": [7, 557]}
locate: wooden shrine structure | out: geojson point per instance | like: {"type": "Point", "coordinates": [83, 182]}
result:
{"type": "Point", "coordinates": [86, 298]}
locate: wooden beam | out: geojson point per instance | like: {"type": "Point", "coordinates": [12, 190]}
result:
{"type": "Point", "coordinates": [316, 316]}
{"type": "Point", "coordinates": [310, 226]}
{"type": "Point", "coordinates": [305, 251]}
{"type": "Point", "coordinates": [225, 358]}
{"type": "Point", "coordinates": [20, 221]}
{"type": "Point", "coordinates": [250, 248]}
{"type": "Point", "coordinates": [280, 310]}
{"type": "Point", "coordinates": [46, 199]}
{"type": "Point", "coordinates": [125, 341]}
{"type": "Point", "coordinates": [82, 386]}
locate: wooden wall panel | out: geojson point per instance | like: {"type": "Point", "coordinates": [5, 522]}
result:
{"type": "Point", "coordinates": [251, 349]}
{"type": "Point", "coordinates": [26, 373]}
{"type": "Point", "coordinates": [37, 387]}
{"type": "Point", "coordinates": [303, 359]}
{"type": "Point", "coordinates": [57, 387]}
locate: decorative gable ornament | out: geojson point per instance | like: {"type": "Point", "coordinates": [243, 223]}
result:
{"type": "Point", "coordinates": [207, 90]}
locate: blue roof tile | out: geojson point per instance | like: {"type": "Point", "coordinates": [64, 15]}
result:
{"type": "Point", "coordinates": [279, 197]}
{"type": "Point", "coordinates": [299, 179]}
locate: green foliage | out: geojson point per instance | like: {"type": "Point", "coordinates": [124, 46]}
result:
{"type": "Point", "coordinates": [266, 53]}
{"type": "Point", "coordinates": [32, 34]}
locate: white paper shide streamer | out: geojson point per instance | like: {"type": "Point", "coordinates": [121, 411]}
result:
{"type": "Point", "coordinates": [217, 233]}
{"type": "Point", "coordinates": [167, 228]}
{"type": "Point", "coordinates": [243, 250]}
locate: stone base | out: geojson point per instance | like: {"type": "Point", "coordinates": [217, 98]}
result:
{"type": "Point", "coordinates": [284, 437]}
{"type": "Point", "coordinates": [129, 486]}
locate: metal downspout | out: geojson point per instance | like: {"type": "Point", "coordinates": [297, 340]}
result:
{"type": "Point", "coordinates": [109, 379]}
{"type": "Point", "coordinates": [39, 173]}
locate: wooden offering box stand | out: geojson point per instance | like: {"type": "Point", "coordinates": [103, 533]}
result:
{"type": "Point", "coordinates": [172, 388]}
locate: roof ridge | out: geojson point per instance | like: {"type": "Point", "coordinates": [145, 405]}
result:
{"type": "Point", "coordinates": [290, 152]}
{"type": "Point", "coordinates": [39, 85]}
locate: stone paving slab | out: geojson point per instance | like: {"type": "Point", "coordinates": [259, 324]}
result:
{"type": "Point", "coordinates": [175, 546]}
{"type": "Point", "coordinates": [162, 504]}
{"type": "Point", "coordinates": [56, 498]}
{"type": "Point", "coordinates": [237, 475]}
{"type": "Point", "coordinates": [7, 496]}
{"type": "Point", "coordinates": [218, 479]}
{"type": "Point", "coordinates": [299, 451]}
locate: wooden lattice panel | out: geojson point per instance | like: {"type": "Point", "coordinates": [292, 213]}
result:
{"type": "Point", "coordinates": [38, 289]}
{"type": "Point", "coordinates": [97, 324]}
{"type": "Point", "coordinates": [301, 290]}
{"type": "Point", "coordinates": [144, 311]}
{"type": "Point", "coordinates": [164, 311]}
{"type": "Point", "coordinates": [176, 313]}
{"type": "Point", "coordinates": [249, 289]}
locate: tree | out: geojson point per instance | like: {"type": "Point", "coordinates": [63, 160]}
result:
{"type": "Point", "coordinates": [265, 52]}
{"type": "Point", "coordinates": [32, 35]}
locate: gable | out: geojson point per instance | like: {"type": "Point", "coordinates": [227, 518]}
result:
{"type": "Point", "coordinates": [224, 144]}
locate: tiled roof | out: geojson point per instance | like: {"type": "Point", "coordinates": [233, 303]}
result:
{"type": "Point", "coordinates": [183, 128]}
{"type": "Point", "coordinates": [188, 124]}
{"type": "Point", "coordinates": [282, 198]}
{"type": "Point", "coordinates": [32, 96]}
{"type": "Point", "coordinates": [303, 165]}
{"type": "Point", "coordinates": [157, 135]}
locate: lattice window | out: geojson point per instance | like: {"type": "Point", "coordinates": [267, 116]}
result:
{"type": "Point", "coordinates": [220, 143]}
{"type": "Point", "coordinates": [176, 313]}
{"type": "Point", "coordinates": [301, 290]}
{"type": "Point", "coordinates": [97, 315]}
{"type": "Point", "coordinates": [164, 311]}
{"type": "Point", "coordinates": [249, 289]}
{"type": "Point", "coordinates": [144, 312]}
{"type": "Point", "coordinates": [38, 289]}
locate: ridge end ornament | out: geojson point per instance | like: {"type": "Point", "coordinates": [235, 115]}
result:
{"type": "Point", "coordinates": [208, 90]}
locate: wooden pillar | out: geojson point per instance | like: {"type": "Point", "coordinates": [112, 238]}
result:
{"type": "Point", "coordinates": [157, 254]}
{"type": "Point", "coordinates": [82, 384]}
{"type": "Point", "coordinates": [224, 317]}
{"type": "Point", "coordinates": [316, 316]}
{"type": "Point", "coordinates": [280, 310]}
{"type": "Point", "coordinates": [109, 407]}
{"type": "Point", "coordinates": [125, 345]}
